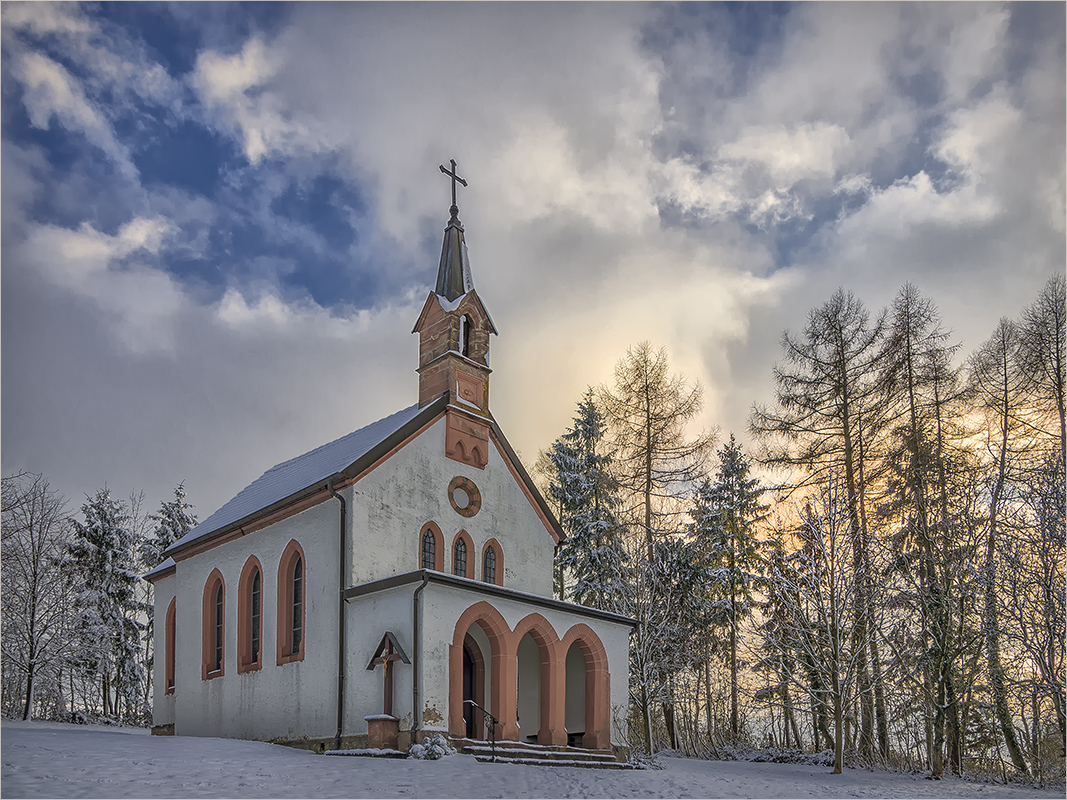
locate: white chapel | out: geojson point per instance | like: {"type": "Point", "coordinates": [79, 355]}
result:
{"type": "Point", "coordinates": [391, 584]}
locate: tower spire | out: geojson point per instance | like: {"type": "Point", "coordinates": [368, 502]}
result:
{"type": "Point", "coordinates": [454, 272]}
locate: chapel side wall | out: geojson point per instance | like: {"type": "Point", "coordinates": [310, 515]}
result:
{"type": "Point", "coordinates": [396, 499]}
{"type": "Point", "coordinates": [286, 701]}
{"type": "Point", "coordinates": [367, 619]}
{"type": "Point", "coordinates": [445, 604]}
{"type": "Point", "coordinates": [163, 591]}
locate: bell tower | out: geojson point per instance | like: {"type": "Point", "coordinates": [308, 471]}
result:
{"type": "Point", "coordinates": [454, 330]}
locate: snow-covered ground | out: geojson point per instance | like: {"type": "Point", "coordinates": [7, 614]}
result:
{"type": "Point", "coordinates": [42, 759]}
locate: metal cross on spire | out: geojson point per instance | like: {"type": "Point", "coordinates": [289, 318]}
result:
{"type": "Point", "coordinates": [452, 174]}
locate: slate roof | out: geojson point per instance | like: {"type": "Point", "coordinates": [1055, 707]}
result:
{"type": "Point", "coordinates": [303, 472]}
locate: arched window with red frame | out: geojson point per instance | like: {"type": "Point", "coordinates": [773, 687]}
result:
{"type": "Point", "coordinates": [292, 591]}
{"type": "Point", "coordinates": [431, 547]}
{"type": "Point", "coordinates": [168, 648]}
{"type": "Point", "coordinates": [493, 563]}
{"type": "Point", "coordinates": [214, 627]}
{"type": "Point", "coordinates": [250, 617]}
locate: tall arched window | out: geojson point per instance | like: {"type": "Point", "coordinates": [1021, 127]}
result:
{"type": "Point", "coordinates": [465, 336]}
{"type": "Point", "coordinates": [428, 549]}
{"type": "Point", "coordinates": [214, 626]}
{"type": "Point", "coordinates": [459, 558]}
{"type": "Point", "coordinates": [463, 555]}
{"type": "Point", "coordinates": [292, 594]}
{"type": "Point", "coordinates": [250, 617]}
{"type": "Point", "coordinates": [493, 563]}
{"type": "Point", "coordinates": [298, 605]}
{"type": "Point", "coordinates": [168, 646]}
{"type": "Point", "coordinates": [432, 550]}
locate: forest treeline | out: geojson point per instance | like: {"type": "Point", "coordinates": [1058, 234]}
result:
{"type": "Point", "coordinates": [76, 615]}
{"type": "Point", "coordinates": [882, 577]}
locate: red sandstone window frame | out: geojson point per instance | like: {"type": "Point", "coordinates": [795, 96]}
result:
{"type": "Point", "coordinates": [245, 661]}
{"type": "Point", "coordinates": [464, 537]}
{"type": "Point", "coordinates": [438, 547]}
{"type": "Point", "coordinates": [498, 565]}
{"type": "Point", "coordinates": [213, 637]}
{"type": "Point", "coordinates": [293, 551]}
{"type": "Point", "coordinates": [168, 648]}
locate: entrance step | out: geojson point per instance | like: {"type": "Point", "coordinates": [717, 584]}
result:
{"type": "Point", "coordinates": [543, 755]}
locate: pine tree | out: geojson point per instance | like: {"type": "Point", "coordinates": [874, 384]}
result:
{"type": "Point", "coordinates": [100, 560]}
{"type": "Point", "coordinates": [592, 553]}
{"type": "Point", "coordinates": [725, 514]}
{"type": "Point", "coordinates": [172, 522]}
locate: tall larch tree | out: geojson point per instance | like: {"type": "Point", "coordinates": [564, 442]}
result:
{"type": "Point", "coordinates": [825, 422]}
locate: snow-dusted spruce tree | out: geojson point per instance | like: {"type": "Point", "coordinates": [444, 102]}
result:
{"type": "Point", "coordinates": [173, 520]}
{"type": "Point", "coordinates": [101, 565]}
{"type": "Point", "coordinates": [35, 609]}
{"type": "Point", "coordinates": [592, 555]}
{"type": "Point", "coordinates": [725, 514]}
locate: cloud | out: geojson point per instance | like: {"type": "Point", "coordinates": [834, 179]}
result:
{"type": "Point", "coordinates": [235, 88]}
{"type": "Point", "coordinates": [51, 92]}
{"type": "Point", "coordinates": [107, 270]}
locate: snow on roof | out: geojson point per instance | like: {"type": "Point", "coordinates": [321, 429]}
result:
{"type": "Point", "coordinates": [289, 477]}
{"type": "Point", "coordinates": [159, 569]}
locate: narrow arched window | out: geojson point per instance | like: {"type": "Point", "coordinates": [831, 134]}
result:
{"type": "Point", "coordinates": [489, 566]}
{"type": "Point", "coordinates": [292, 586]}
{"type": "Point", "coordinates": [465, 336]}
{"type": "Point", "coordinates": [459, 558]}
{"type": "Point", "coordinates": [256, 599]}
{"type": "Point", "coordinates": [250, 617]}
{"type": "Point", "coordinates": [298, 604]}
{"type": "Point", "coordinates": [168, 644]}
{"type": "Point", "coordinates": [214, 626]}
{"type": "Point", "coordinates": [429, 548]}
{"type": "Point", "coordinates": [219, 616]}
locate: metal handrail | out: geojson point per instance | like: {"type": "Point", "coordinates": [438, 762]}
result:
{"type": "Point", "coordinates": [492, 722]}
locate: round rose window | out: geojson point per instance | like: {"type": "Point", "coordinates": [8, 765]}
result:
{"type": "Point", "coordinates": [464, 496]}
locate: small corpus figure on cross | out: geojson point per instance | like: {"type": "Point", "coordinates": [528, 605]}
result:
{"type": "Point", "coordinates": [388, 652]}
{"type": "Point", "coordinates": [452, 174]}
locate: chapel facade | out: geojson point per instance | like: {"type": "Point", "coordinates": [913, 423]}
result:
{"type": "Point", "coordinates": [393, 583]}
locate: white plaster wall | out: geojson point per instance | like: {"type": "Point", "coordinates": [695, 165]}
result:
{"type": "Point", "coordinates": [368, 618]}
{"type": "Point", "coordinates": [277, 701]}
{"type": "Point", "coordinates": [445, 604]}
{"type": "Point", "coordinates": [162, 703]}
{"type": "Point", "coordinates": [395, 501]}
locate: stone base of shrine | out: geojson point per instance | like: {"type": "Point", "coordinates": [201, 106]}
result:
{"type": "Point", "coordinates": [383, 731]}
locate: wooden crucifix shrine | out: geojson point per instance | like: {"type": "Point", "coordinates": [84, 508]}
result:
{"type": "Point", "coordinates": [389, 650]}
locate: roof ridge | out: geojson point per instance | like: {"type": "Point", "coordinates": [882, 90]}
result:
{"type": "Point", "coordinates": [281, 464]}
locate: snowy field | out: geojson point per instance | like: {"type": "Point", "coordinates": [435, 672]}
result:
{"type": "Point", "coordinates": [45, 759]}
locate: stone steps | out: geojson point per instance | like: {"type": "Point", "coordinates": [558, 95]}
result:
{"type": "Point", "coordinates": [543, 755]}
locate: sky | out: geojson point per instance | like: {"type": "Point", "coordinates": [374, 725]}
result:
{"type": "Point", "coordinates": [220, 221]}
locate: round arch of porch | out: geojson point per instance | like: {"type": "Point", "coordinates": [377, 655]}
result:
{"type": "Point", "coordinates": [597, 684]}
{"type": "Point", "coordinates": [553, 676]}
{"type": "Point", "coordinates": [501, 668]}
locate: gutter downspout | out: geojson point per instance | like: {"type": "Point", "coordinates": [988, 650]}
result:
{"type": "Point", "coordinates": [340, 618]}
{"type": "Point", "coordinates": [416, 705]}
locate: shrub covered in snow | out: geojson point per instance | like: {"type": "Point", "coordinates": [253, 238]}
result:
{"type": "Point", "coordinates": [437, 746]}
